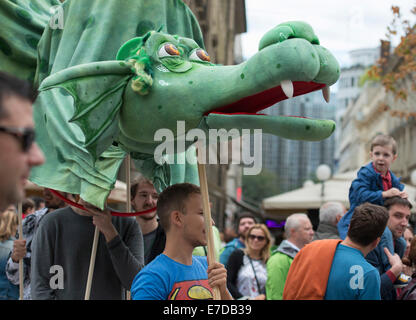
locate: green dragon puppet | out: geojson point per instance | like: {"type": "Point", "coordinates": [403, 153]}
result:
{"type": "Point", "coordinates": [111, 73]}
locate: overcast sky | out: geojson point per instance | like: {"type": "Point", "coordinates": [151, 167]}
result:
{"type": "Point", "coordinates": [341, 25]}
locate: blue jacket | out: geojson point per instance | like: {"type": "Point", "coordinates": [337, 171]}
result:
{"type": "Point", "coordinates": [229, 248]}
{"type": "Point", "coordinates": [367, 187]}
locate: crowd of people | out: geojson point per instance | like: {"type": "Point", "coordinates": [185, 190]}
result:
{"type": "Point", "coordinates": [365, 253]}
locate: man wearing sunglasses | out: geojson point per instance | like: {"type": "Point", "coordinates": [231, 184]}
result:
{"type": "Point", "coordinates": [19, 153]}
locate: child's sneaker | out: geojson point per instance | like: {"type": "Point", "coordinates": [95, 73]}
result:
{"type": "Point", "coordinates": [402, 281]}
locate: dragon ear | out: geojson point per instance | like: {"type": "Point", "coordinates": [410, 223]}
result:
{"type": "Point", "coordinates": [130, 48]}
{"type": "Point", "coordinates": [97, 89]}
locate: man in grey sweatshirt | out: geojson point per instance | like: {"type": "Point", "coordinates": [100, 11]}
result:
{"type": "Point", "coordinates": [61, 252]}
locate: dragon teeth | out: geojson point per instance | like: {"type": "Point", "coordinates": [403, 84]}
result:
{"type": "Point", "coordinates": [326, 92]}
{"type": "Point", "coordinates": [287, 87]}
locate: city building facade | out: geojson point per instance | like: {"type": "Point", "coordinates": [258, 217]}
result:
{"type": "Point", "coordinates": [349, 89]}
{"type": "Point", "coordinates": [296, 161]}
{"type": "Point", "coordinates": [377, 111]}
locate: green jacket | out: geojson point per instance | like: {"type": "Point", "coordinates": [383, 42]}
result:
{"type": "Point", "coordinates": [277, 269]}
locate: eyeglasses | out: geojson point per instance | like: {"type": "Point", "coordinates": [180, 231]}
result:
{"type": "Point", "coordinates": [260, 238]}
{"type": "Point", "coordinates": [25, 136]}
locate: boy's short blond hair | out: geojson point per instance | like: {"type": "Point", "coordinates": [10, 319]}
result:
{"type": "Point", "coordinates": [383, 140]}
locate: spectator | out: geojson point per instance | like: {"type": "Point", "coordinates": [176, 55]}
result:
{"type": "Point", "coordinates": [176, 274]}
{"type": "Point", "coordinates": [408, 236]}
{"type": "Point", "coordinates": [19, 152]}
{"type": "Point", "coordinates": [229, 235]}
{"type": "Point", "coordinates": [335, 269]}
{"type": "Point", "coordinates": [246, 268]}
{"type": "Point", "coordinates": [399, 214]}
{"type": "Point", "coordinates": [409, 292]}
{"type": "Point", "coordinates": [8, 227]}
{"type": "Point", "coordinates": [22, 249]}
{"type": "Point", "coordinates": [245, 221]}
{"type": "Point", "coordinates": [329, 215]}
{"type": "Point", "coordinates": [299, 232]}
{"type": "Point", "coordinates": [144, 196]}
{"type": "Point", "coordinates": [10, 208]}
{"type": "Point", "coordinates": [375, 183]}
{"type": "Point", "coordinates": [65, 238]}
{"type": "Point", "coordinates": [39, 203]}
{"type": "Point", "coordinates": [28, 207]}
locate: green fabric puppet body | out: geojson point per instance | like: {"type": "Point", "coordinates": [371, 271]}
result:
{"type": "Point", "coordinates": [112, 73]}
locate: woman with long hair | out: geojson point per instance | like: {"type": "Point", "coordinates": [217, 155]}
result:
{"type": "Point", "coordinates": [8, 227]}
{"type": "Point", "coordinates": [409, 292]}
{"type": "Point", "coordinates": [247, 273]}
{"type": "Point", "coordinates": [408, 236]}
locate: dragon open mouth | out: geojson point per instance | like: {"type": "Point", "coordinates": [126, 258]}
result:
{"type": "Point", "coordinates": [252, 104]}
{"type": "Point", "coordinates": [243, 114]}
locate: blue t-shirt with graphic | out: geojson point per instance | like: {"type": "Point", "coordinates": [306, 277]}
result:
{"type": "Point", "coordinates": [352, 277]}
{"type": "Point", "coordinates": [166, 279]}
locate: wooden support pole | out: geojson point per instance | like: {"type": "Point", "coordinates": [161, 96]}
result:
{"type": "Point", "coordinates": [208, 221]}
{"type": "Point", "coordinates": [92, 264]}
{"type": "Point", "coordinates": [97, 234]}
{"type": "Point", "coordinates": [19, 213]}
{"type": "Point", "coordinates": [128, 199]}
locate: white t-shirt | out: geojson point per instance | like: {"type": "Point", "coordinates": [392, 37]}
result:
{"type": "Point", "coordinates": [246, 281]}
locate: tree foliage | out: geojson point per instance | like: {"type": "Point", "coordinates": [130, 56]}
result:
{"type": "Point", "coordinates": [394, 79]}
{"type": "Point", "coordinates": [258, 187]}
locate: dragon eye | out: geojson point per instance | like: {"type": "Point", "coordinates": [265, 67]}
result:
{"type": "Point", "coordinates": [168, 50]}
{"type": "Point", "coordinates": [200, 55]}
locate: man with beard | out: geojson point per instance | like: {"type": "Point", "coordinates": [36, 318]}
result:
{"type": "Point", "coordinates": [143, 197]}
{"type": "Point", "coordinates": [22, 249]}
{"type": "Point", "coordinates": [245, 221]}
{"type": "Point", "coordinates": [63, 239]}
{"type": "Point", "coordinates": [391, 273]}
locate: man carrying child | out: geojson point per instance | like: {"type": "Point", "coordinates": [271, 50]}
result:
{"type": "Point", "coordinates": [375, 183]}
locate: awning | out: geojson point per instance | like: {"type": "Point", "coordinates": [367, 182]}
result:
{"type": "Point", "coordinates": [310, 197]}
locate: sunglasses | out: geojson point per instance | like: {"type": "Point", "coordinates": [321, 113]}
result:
{"type": "Point", "coordinates": [25, 136]}
{"type": "Point", "coordinates": [260, 238]}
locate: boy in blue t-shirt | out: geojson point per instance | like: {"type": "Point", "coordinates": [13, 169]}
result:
{"type": "Point", "coordinates": [176, 274]}
{"type": "Point", "coordinates": [374, 183]}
